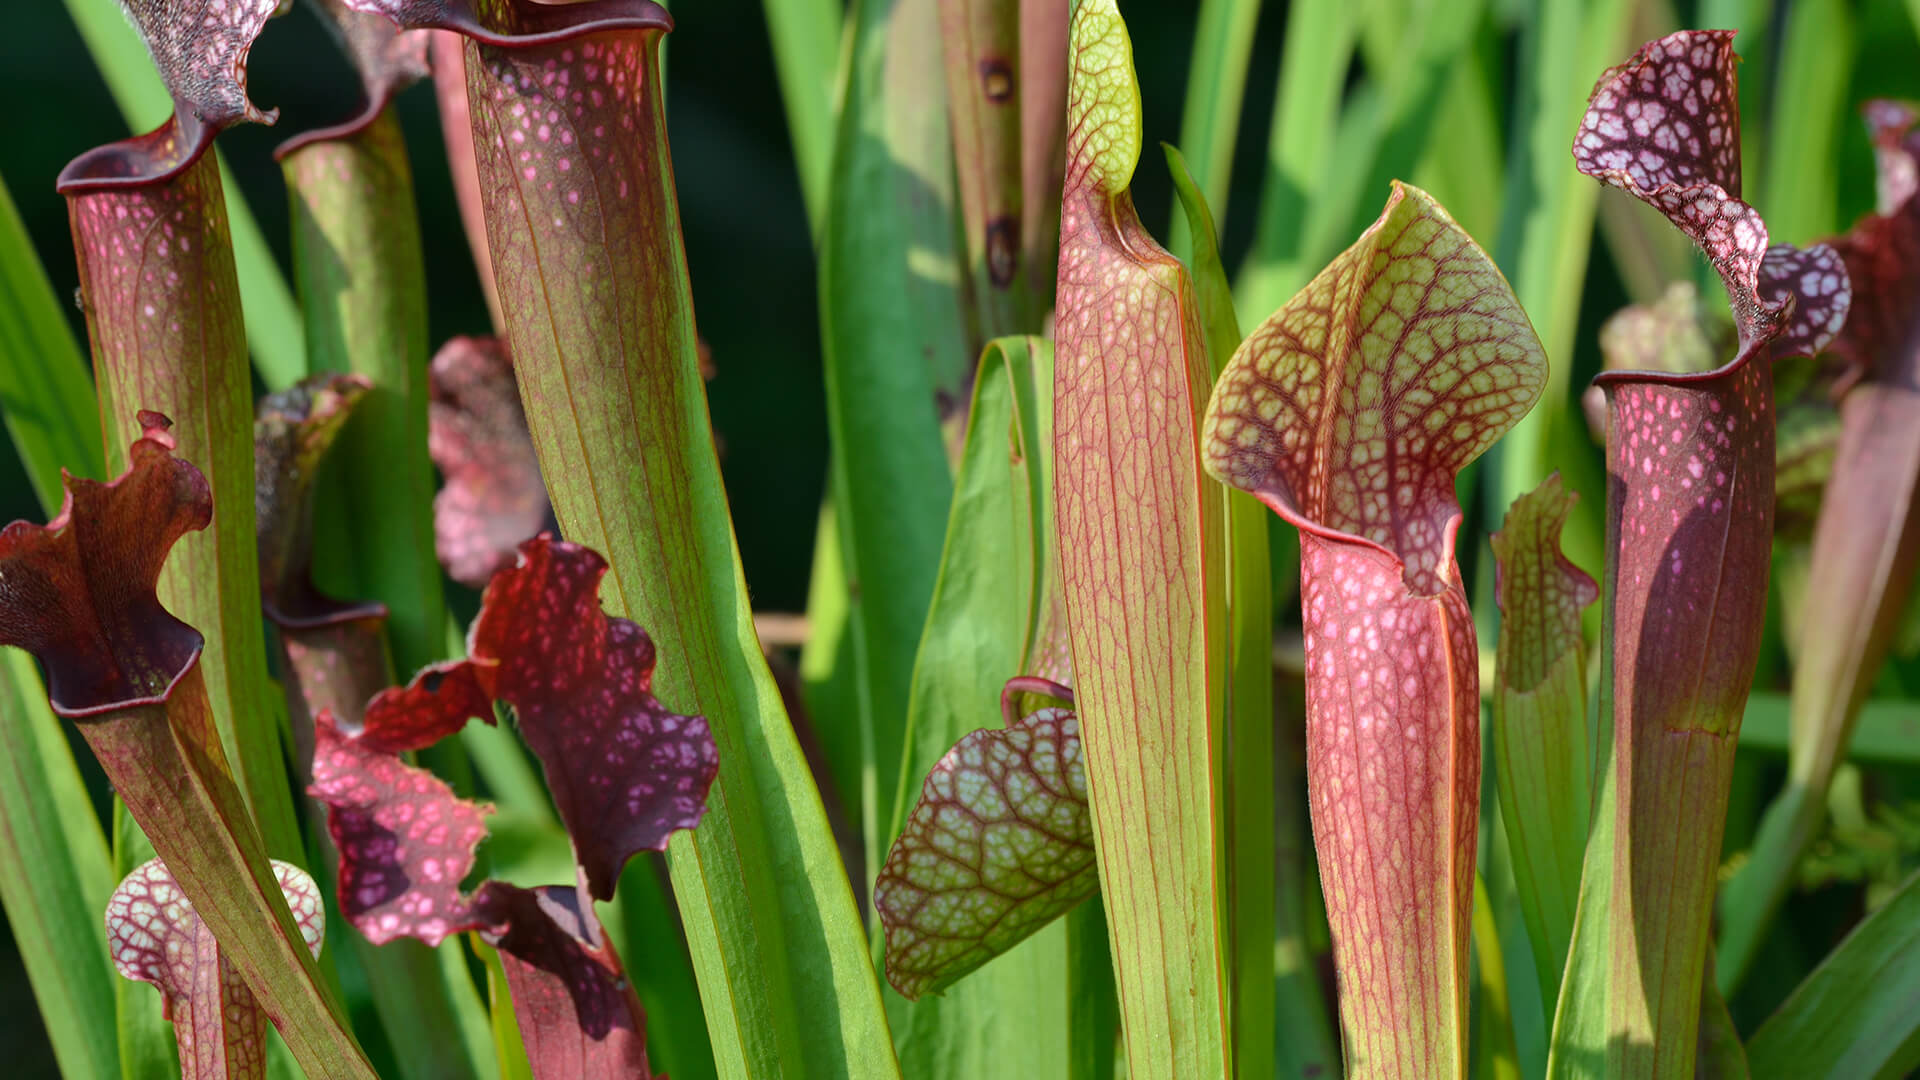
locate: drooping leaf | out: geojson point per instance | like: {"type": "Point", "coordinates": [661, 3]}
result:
{"type": "Point", "coordinates": [1350, 412]}
{"type": "Point", "coordinates": [1690, 516]}
{"type": "Point", "coordinates": [1139, 538]}
{"type": "Point", "coordinates": [155, 936]}
{"type": "Point", "coordinates": [1866, 540]}
{"type": "Point", "coordinates": [493, 500]}
{"type": "Point", "coordinates": [1540, 738]}
{"type": "Point", "coordinates": [405, 840]}
{"type": "Point", "coordinates": [999, 845]}
{"type": "Point", "coordinates": [80, 595]}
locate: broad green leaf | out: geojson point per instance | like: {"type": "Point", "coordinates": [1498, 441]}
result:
{"type": "Point", "coordinates": [55, 875]}
{"type": "Point", "coordinates": [1140, 540]}
{"type": "Point", "coordinates": [1540, 737]}
{"type": "Point", "coordinates": [1812, 90]}
{"type": "Point", "coordinates": [1858, 1014]}
{"type": "Point", "coordinates": [885, 300]}
{"type": "Point", "coordinates": [46, 395]}
{"type": "Point", "coordinates": [1031, 1003]}
{"type": "Point", "coordinates": [1250, 792]}
{"type": "Point", "coordinates": [272, 317]}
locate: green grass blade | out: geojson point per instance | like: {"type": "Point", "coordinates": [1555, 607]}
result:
{"type": "Point", "coordinates": [880, 309]}
{"type": "Point", "coordinates": [1210, 124]}
{"type": "Point", "coordinates": [46, 397]}
{"type": "Point", "coordinates": [1810, 101]}
{"type": "Point", "coordinates": [1320, 40]}
{"type": "Point", "coordinates": [1495, 1057]}
{"type": "Point", "coordinates": [272, 317]}
{"type": "Point", "coordinates": [1303, 1028]}
{"type": "Point", "coordinates": [1547, 232]}
{"type": "Point", "coordinates": [806, 56]}
{"type": "Point", "coordinates": [1249, 699]}
{"type": "Point", "coordinates": [1887, 732]}
{"type": "Point", "coordinates": [1858, 1014]}
{"type": "Point", "coordinates": [55, 874]}
{"type": "Point", "coordinates": [507, 1044]}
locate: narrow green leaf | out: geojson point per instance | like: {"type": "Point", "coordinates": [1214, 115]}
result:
{"type": "Point", "coordinates": [1140, 534]}
{"type": "Point", "coordinates": [46, 396]}
{"type": "Point", "coordinates": [1210, 122]}
{"type": "Point", "coordinates": [1811, 89]}
{"type": "Point", "coordinates": [1303, 1028]}
{"type": "Point", "coordinates": [1858, 1014]}
{"type": "Point", "coordinates": [806, 36]}
{"type": "Point", "coordinates": [1887, 732]}
{"type": "Point", "coordinates": [1320, 39]}
{"type": "Point", "coordinates": [881, 306]}
{"type": "Point", "coordinates": [55, 875]}
{"type": "Point", "coordinates": [1494, 1055]}
{"type": "Point", "coordinates": [272, 317]}
{"type": "Point", "coordinates": [1250, 790]}
{"type": "Point", "coordinates": [1540, 736]}
{"type": "Point", "coordinates": [1547, 230]}
{"type": "Point", "coordinates": [507, 1044]}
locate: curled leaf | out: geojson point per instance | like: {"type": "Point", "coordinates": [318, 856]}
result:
{"type": "Point", "coordinates": [477, 434]}
{"type": "Point", "coordinates": [78, 592]}
{"type": "Point", "coordinates": [405, 840]}
{"type": "Point", "coordinates": [387, 58]}
{"type": "Point", "coordinates": [999, 845]}
{"type": "Point", "coordinates": [1665, 127]}
{"type": "Point", "coordinates": [155, 936]}
{"type": "Point", "coordinates": [200, 47]}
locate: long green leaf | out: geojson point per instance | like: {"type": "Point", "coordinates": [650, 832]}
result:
{"type": "Point", "coordinates": [881, 308]}
{"type": "Point", "coordinates": [1810, 91]}
{"type": "Point", "coordinates": [1887, 732]}
{"type": "Point", "coordinates": [46, 397]}
{"type": "Point", "coordinates": [1025, 1005]}
{"type": "Point", "coordinates": [806, 56]}
{"type": "Point", "coordinates": [1858, 1014]}
{"type": "Point", "coordinates": [272, 317]}
{"type": "Point", "coordinates": [618, 412]}
{"type": "Point", "coordinates": [1250, 794]}
{"type": "Point", "coordinates": [55, 875]}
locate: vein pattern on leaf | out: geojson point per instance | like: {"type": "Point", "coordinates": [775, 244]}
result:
{"type": "Point", "coordinates": [493, 500]}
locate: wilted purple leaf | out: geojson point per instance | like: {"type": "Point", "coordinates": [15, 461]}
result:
{"type": "Point", "coordinates": [405, 840]}
{"type": "Point", "coordinates": [999, 845]}
{"type": "Point", "coordinates": [625, 772]}
{"type": "Point", "coordinates": [154, 936]}
{"type": "Point", "coordinates": [576, 1008]}
{"type": "Point", "coordinates": [493, 500]}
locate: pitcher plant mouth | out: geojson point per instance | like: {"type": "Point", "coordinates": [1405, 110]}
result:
{"type": "Point", "coordinates": [513, 24]}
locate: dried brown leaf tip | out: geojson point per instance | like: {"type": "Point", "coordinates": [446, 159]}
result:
{"type": "Point", "coordinates": [200, 47]}
{"type": "Point", "coordinates": [154, 936]}
{"type": "Point", "coordinates": [477, 435]}
{"type": "Point", "coordinates": [78, 592]}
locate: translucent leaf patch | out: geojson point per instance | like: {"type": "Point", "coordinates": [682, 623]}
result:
{"type": "Point", "coordinates": [999, 845]}
{"type": "Point", "coordinates": [477, 434]}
